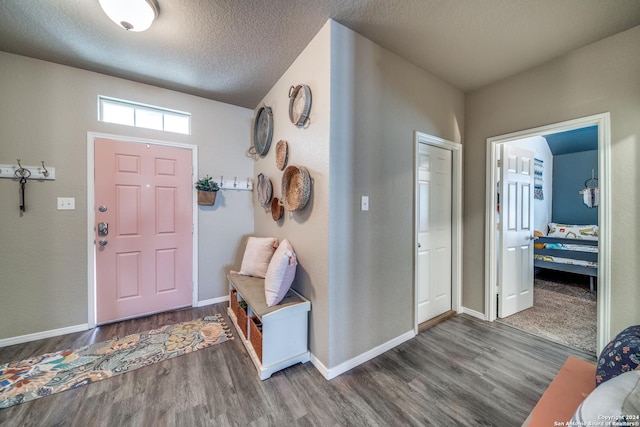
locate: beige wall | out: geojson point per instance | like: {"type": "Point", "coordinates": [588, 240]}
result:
{"type": "Point", "coordinates": [307, 229]}
{"type": "Point", "coordinates": [355, 267]}
{"type": "Point", "coordinates": [378, 100]}
{"type": "Point", "coordinates": [45, 114]}
{"type": "Point", "coordinates": [601, 77]}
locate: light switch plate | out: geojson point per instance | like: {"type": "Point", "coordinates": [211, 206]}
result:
{"type": "Point", "coordinates": [364, 203]}
{"type": "Point", "coordinates": [66, 203]}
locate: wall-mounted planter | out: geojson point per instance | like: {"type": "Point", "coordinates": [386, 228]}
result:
{"type": "Point", "coordinates": [207, 189]}
{"type": "Point", "coordinates": [206, 198]}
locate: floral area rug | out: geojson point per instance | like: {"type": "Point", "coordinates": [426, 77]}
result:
{"type": "Point", "coordinates": [55, 372]}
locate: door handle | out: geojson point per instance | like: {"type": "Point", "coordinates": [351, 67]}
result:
{"type": "Point", "coordinates": [102, 242]}
{"type": "Point", "coordinates": [103, 229]}
{"type": "Point", "coordinates": [419, 245]}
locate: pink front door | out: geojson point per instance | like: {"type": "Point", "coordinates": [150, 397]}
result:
{"type": "Point", "coordinates": [143, 231]}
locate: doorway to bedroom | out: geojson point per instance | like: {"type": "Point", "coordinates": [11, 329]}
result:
{"type": "Point", "coordinates": [547, 189]}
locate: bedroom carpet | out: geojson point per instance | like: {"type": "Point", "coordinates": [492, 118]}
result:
{"type": "Point", "coordinates": [563, 311]}
{"type": "Point", "coordinates": [51, 373]}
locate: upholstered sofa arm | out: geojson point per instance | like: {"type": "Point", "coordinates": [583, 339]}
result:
{"type": "Point", "coordinates": [568, 389]}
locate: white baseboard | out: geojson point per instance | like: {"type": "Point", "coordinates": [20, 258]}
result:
{"type": "Point", "coordinates": [330, 373]}
{"type": "Point", "coordinates": [212, 301]}
{"type": "Point", "coordinates": [42, 335]}
{"type": "Point", "coordinates": [79, 328]}
{"type": "Point", "coordinates": [474, 313]}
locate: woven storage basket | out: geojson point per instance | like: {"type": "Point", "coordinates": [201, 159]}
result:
{"type": "Point", "coordinates": [296, 187]}
{"type": "Point", "coordinates": [233, 303]}
{"type": "Point", "coordinates": [241, 317]}
{"type": "Point", "coordinates": [282, 154]}
{"type": "Point", "coordinates": [264, 189]}
{"type": "Point", "coordinates": [255, 336]}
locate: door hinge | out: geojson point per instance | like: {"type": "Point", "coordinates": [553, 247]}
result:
{"type": "Point", "coordinates": [499, 163]}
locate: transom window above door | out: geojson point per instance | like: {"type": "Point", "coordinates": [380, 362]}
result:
{"type": "Point", "coordinates": [128, 113]}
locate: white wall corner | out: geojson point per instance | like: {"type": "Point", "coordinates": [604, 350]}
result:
{"type": "Point", "coordinates": [330, 373]}
{"type": "Point", "coordinates": [319, 366]}
{"type": "Point", "coordinates": [473, 313]}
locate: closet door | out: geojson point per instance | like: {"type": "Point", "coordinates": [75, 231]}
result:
{"type": "Point", "coordinates": [434, 231]}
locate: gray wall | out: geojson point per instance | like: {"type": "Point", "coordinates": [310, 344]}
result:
{"type": "Point", "coordinates": [569, 175]}
{"type": "Point", "coordinates": [378, 100]}
{"type": "Point", "coordinates": [598, 78]}
{"type": "Point", "coordinates": [45, 114]}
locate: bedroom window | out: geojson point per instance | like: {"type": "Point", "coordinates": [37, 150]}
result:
{"type": "Point", "coordinates": [118, 111]}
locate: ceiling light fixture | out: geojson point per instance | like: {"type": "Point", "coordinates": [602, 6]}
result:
{"type": "Point", "coordinates": [129, 14]}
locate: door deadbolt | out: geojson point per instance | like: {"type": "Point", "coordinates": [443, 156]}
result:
{"type": "Point", "coordinates": [103, 229]}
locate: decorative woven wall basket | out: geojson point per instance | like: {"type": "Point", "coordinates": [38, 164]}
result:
{"type": "Point", "coordinates": [276, 209]}
{"type": "Point", "coordinates": [206, 198]}
{"type": "Point", "coordinates": [296, 187]}
{"type": "Point", "coordinates": [282, 154]}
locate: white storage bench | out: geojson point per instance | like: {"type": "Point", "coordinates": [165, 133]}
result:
{"type": "Point", "coordinates": [275, 337]}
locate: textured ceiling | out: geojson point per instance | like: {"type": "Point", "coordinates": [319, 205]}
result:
{"type": "Point", "coordinates": [235, 50]}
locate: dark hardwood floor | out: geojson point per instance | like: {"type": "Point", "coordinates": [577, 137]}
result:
{"type": "Point", "coordinates": [462, 372]}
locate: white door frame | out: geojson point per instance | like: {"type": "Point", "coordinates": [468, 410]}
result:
{"type": "Point", "coordinates": [91, 216]}
{"type": "Point", "coordinates": [456, 219]}
{"type": "Point", "coordinates": [603, 121]}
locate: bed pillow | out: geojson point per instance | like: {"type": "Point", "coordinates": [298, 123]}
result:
{"type": "Point", "coordinates": [611, 403]}
{"type": "Point", "coordinates": [257, 256]}
{"type": "Point", "coordinates": [621, 355]}
{"type": "Point", "coordinates": [280, 274]}
{"type": "Point", "coordinates": [572, 231]}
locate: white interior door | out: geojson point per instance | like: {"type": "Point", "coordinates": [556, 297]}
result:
{"type": "Point", "coordinates": [515, 275]}
{"type": "Point", "coordinates": [434, 231]}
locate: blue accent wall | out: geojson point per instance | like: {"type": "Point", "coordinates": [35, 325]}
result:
{"type": "Point", "coordinates": [572, 141]}
{"type": "Point", "coordinates": [570, 171]}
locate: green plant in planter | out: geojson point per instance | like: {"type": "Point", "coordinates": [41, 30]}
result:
{"type": "Point", "coordinates": [207, 184]}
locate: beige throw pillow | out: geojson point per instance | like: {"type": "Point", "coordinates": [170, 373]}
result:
{"type": "Point", "coordinates": [257, 256]}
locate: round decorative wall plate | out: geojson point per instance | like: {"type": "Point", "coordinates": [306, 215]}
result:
{"type": "Point", "coordinates": [299, 105]}
{"type": "Point", "coordinates": [263, 131]}
{"type": "Point", "coordinates": [264, 189]}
